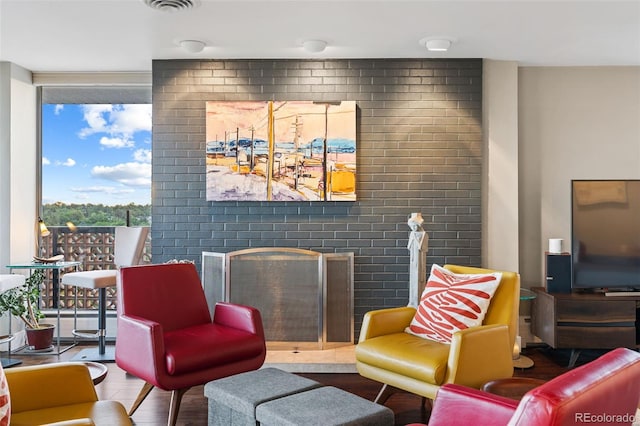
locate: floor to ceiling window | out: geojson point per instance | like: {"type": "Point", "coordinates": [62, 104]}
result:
{"type": "Point", "coordinates": [95, 175]}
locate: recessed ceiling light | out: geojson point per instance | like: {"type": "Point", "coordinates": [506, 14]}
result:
{"type": "Point", "coordinates": [437, 44]}
{"type": "Point", "coordinates": [314, 46]}
{"type": "Point", "coordinates": [192, 46]}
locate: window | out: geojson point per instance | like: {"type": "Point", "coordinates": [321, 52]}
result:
{"type": "Point", "coordinates": [96, 157]}
{"type": "Point", "coordinates": [95, 175]}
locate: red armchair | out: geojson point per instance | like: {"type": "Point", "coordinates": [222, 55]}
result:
{"type": "Point", "coordinates": [167, 338]}
{"type": "Point", "coordinates": [604, 391]}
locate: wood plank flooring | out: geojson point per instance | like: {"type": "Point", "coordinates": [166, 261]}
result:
{"type": "Point", "coordinates": [122, 387]}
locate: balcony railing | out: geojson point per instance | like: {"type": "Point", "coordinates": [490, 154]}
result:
{"type": "Point", "coordinates": [93, 247]}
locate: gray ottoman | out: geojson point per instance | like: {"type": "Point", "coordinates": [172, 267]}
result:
{"type": "Point", "coordinates": [325, 406]}
{"type": "Point", "coordinates": [233, 400]}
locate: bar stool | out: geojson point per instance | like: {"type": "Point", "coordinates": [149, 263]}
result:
{"type": "Point", "coordinates": [7, 282]}
{"type": "Point", "coordinates": [129, 246]}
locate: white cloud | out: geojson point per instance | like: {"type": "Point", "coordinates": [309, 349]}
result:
{"type": "Point", "coordinates": [120, 121]}
{"type": "Point", "coordinates": [101, 189]}
{"type": "Point", "coordinates": [142, 155]}
{"type": "Point", "coordinates": [129, 174]}
{"type": "Point", "coordinates": [69, 162]}
{"type": "Point", "coordinates": [45, 161]}
{"type": "Point", "coordinates": [128, 119]}
{"type": "Point", "coordinates": [58, 108]}
{"type": "Point", "coordinates": [116, 142]}
{"type": "Point", "coordinates": [93, 115]}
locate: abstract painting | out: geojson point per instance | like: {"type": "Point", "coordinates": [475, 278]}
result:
{"type": "Point", "coordinates": [281, 151]}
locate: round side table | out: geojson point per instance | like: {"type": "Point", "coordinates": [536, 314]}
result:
{"type": "Point", "coordinates": [513, 387]}
{"type": "Point", "coordinates": [7, 282]}
{"type": "Point", "coordinates": [97, 371]}
{"type": "Point", "coordinates": [523, 361]}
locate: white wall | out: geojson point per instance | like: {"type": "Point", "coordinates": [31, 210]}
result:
{"type": "Point", "coordinates": [17, 171]}
{"type": "Point", "coordinates": [17, 164]}
{"type": "Point", "coordinates": [575, 123]}
{"type": "Point", "coordinates": [18, 174]}
{"type": "Point", "coordinates": [500, 157]}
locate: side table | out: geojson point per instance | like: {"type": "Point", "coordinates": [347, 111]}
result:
{"type": "Point", "coordinates": [519, 360]}
{"type": "Point", "coordinates": [56, 267]}
{"type": "Point", "coordinates": [97, 371]}
{"type": "Point", "coordinates": [513, 387]}
{"type": "Point", "coordinates": [7, 282]}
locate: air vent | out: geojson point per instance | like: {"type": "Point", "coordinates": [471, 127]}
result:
{"type": "Point", "coordinates": [171, 5]}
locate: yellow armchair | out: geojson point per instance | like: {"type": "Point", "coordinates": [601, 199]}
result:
{"type": "Point", "coordinates": [399, 360]}
{"type": "Point", "coordinates": [60, 394]}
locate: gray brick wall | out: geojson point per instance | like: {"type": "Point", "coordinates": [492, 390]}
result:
{"type": "Point", "coordinates": [419, 150]}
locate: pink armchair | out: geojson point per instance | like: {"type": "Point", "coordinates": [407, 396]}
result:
{"type": "Point", "coordinates": [167, 338]}
{"type": "Point", "coordinates": [607, 389]}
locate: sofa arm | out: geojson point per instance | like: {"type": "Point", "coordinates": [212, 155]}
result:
{"type": "Point", "coordinates": [241, 317]}
{"type": "Point", "coordinates": [139, 341]}
{"type": "Point", "coordinates": [386, 321]}
{"type": "Point", "coordinates": [480, 354]}
{"type": "Point", "coordinates": [31, 388]}
{"type": "Point", "coordinates": [457, 405]}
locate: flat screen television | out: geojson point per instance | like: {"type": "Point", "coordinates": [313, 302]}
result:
{"type": "Point", "coordinates": [605, 235]}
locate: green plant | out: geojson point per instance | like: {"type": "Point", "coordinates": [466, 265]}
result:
{"type": "Point", "coordinates": [23, 302]}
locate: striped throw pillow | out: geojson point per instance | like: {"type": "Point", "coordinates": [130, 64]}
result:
{"type": "Point", "coordinates": [452, 302]}
{"type": "Point", "coordinates": [5, 401]}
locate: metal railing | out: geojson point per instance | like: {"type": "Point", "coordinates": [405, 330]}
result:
{"type": "Point", "coordinates": [93, 247]}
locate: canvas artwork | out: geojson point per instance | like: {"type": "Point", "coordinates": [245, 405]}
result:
{"type": "Point", "coordinates": [281, 151]}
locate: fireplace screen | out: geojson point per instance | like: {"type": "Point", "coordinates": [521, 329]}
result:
{"type": "Point", "coordinates": [305, 298]}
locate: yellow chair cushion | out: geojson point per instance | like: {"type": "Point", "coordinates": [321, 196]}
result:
{"type": "Point", "coordinates": [89, 413]}
{"type": "Point", "coordinates": [59, 393]}
{"type": "Point", "coordinates": [407, 355]}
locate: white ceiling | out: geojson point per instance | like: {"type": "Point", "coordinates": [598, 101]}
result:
{"type": "Point", "coordinates": [126, 35]}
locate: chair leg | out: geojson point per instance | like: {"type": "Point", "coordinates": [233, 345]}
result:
{"type": "Point", "coordinates": [385, 392]}
{"type": "Point", "coordinates": [174, 407]}
{"type": "Point", "coordinates": [426, 403]}
{"type": "Point", "coordinates": [146, 388]}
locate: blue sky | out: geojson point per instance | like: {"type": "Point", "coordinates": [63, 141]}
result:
{"type": "Point", "coordinates": [96, 154]}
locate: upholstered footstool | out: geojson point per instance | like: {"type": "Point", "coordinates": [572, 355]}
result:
{"type": "Point", "coordinates": [233, 400]}
{"type": "Point", "coordinates": [325, 406]}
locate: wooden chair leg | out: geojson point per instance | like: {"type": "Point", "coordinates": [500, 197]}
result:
{"type": "Point", "coordinates": [385, 392]}
{"type": "Point", "coordinates": [174, 407]}
{"type": "Point", "coordinates": [146, 388]}
{"type": "Point", "coordinates": [426, 403]}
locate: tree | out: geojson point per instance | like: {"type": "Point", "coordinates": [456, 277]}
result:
{"type": "Point", "coordinates": [58, 214]}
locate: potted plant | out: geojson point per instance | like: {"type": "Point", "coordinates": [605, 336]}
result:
{"type": "Point", "coordinates": [23, 302]}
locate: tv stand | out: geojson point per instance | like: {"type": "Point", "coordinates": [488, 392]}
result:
{"type": "Point", "coordinates": [585, 321]}
{"type": "Point", "coordinates": [622, 293]}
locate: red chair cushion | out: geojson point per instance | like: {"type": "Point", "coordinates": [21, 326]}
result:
{"type": "Point", "coordinates": [208, 345]}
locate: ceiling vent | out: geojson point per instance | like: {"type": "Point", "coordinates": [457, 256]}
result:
{"type": "Point", "coordinates": [171, 5]}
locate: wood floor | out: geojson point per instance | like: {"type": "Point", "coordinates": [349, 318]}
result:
{"type": "Point", "coordinates": [122, 387]}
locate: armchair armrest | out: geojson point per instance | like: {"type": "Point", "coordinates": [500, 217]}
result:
{"type": "Point", "coordinates": [31, 387]}
{"type": "Point", "coordinates": [386, 321]}
{"type": "Point", "coordinates": [480, 354]}
{"type": "Point", "coordinates": [139, 340]}
{"type": "Point", "coordinates": [461, 406]}
{"type": "Point", "coordinates": [74, 422]}
{"type": "Point", "coordinates": [241, 317]}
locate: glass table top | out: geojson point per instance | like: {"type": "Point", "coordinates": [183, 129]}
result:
{"type": "Point", "coordinates": [37, 265]}
{"type": "Point", "coordinates": [526, 294]}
